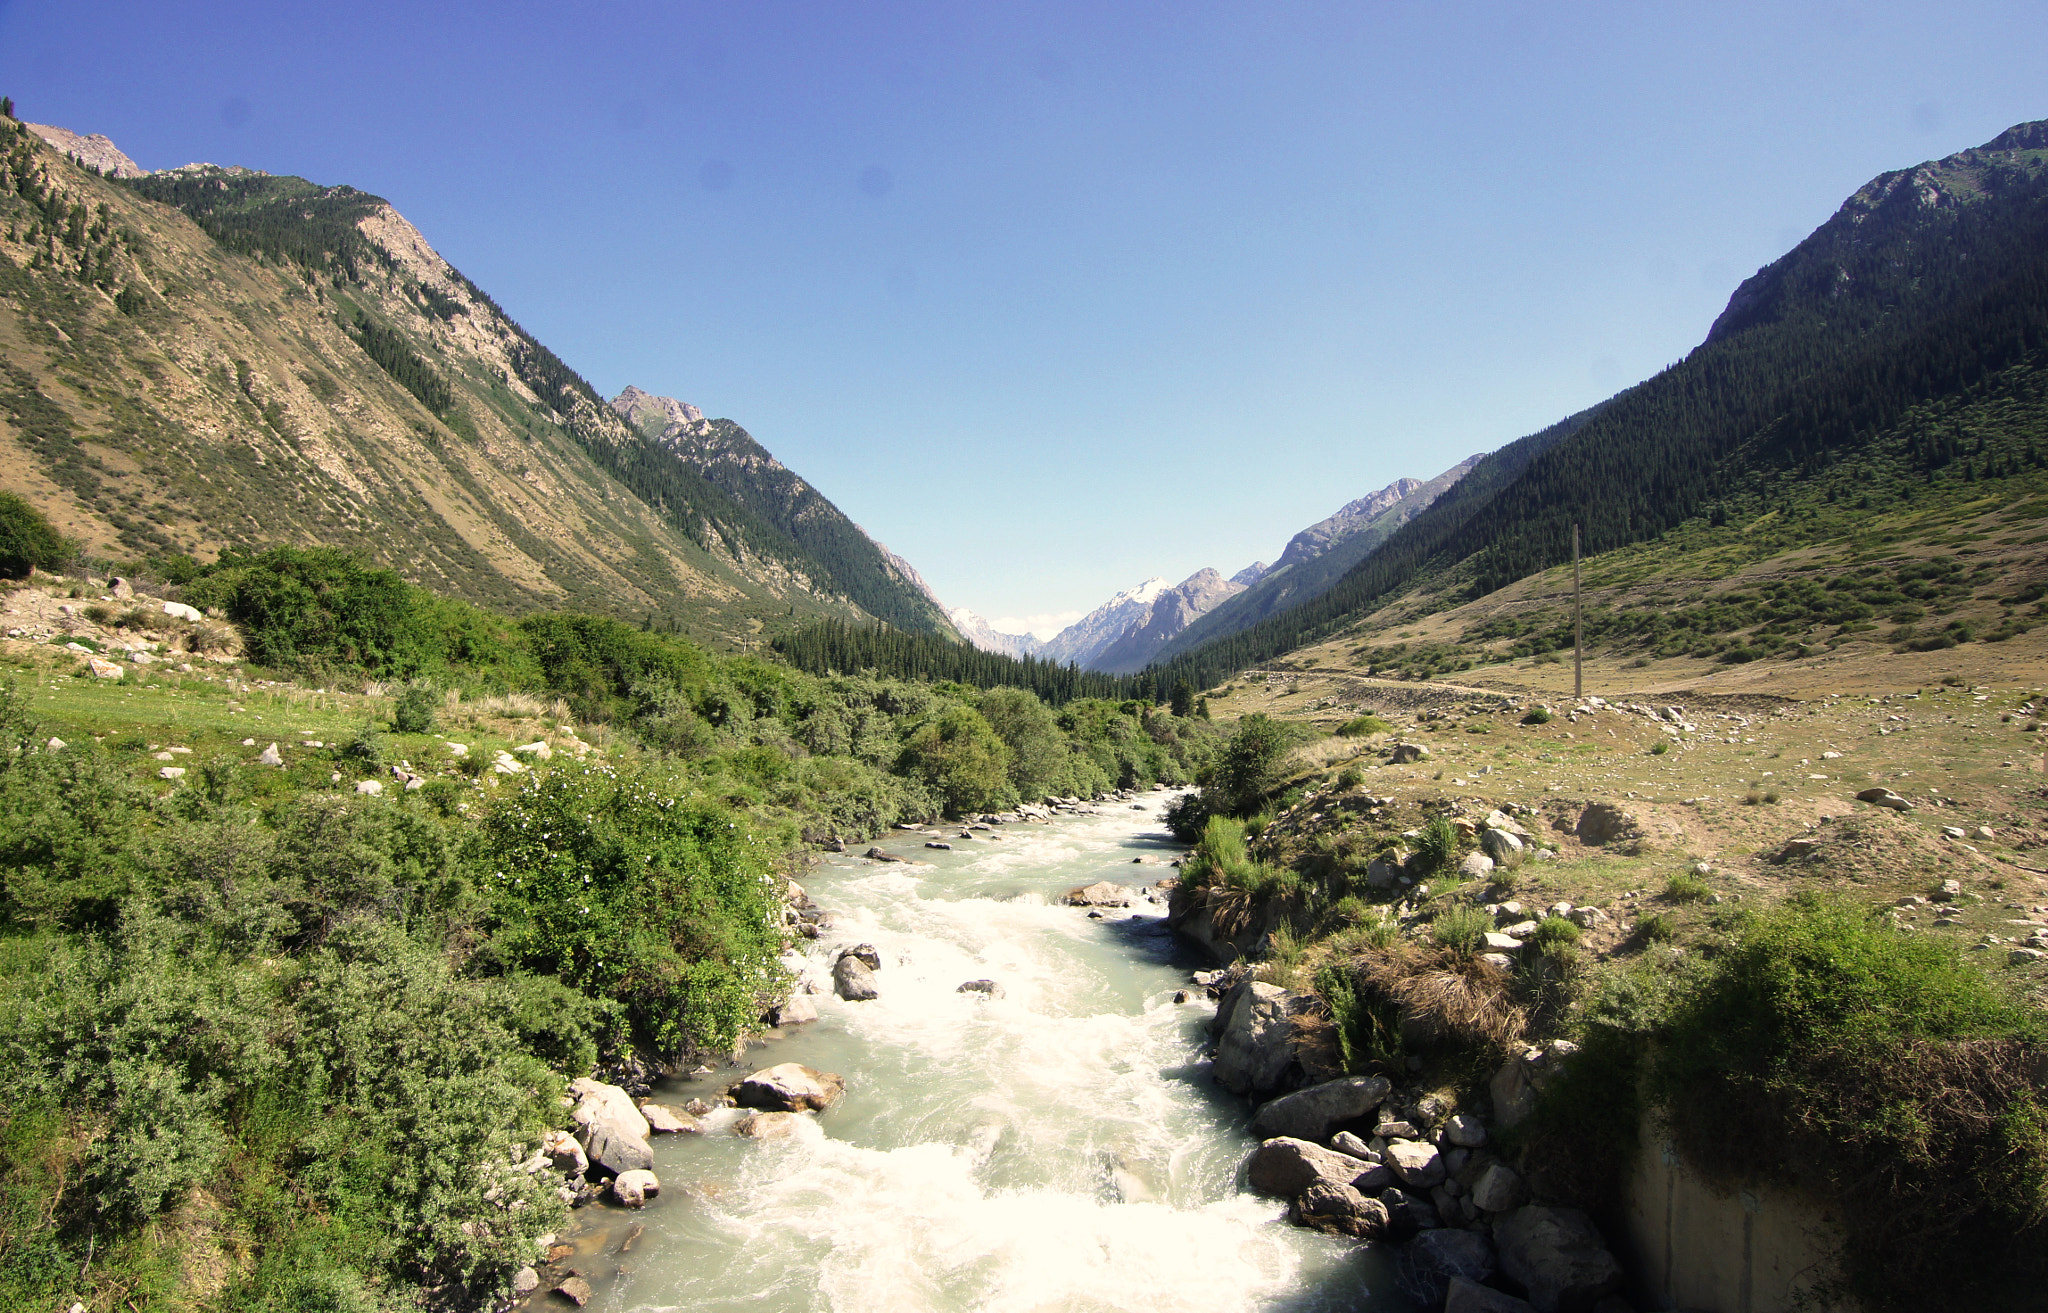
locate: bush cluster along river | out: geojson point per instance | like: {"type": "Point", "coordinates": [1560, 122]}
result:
{"type": "Point", "coordinates": [1059, 1148]}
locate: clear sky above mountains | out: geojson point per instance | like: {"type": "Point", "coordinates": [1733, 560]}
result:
{"type": "Point", "coordinates": [1055, 297]}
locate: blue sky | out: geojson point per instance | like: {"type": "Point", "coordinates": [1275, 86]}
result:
{"type": "Point", "coordinates": [1054, 297]}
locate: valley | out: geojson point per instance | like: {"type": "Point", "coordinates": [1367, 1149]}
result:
{"type": "Point", "coordinates": [423, 780]}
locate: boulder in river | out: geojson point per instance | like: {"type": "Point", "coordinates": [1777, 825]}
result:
{"type": "Point", "coordinates": [576, 1290]}
{"type": "Point", "coordinates": [790, 1087]}
{"type": "Point", "coordinates": [1100, 894]}
{"type": "Point", "coordinates": [663, 1120]}
{"type": "Point", "coordinates": [768, 1125]}
{"type": "Point", "coordinates": [1557, 1255]}
{"type": "Point", "coordinates": [877, 855]}
{"type": "Point", "coordinates": [1284, 1166]}
{"type": "Point", "coordinates": [985, 988]}
{"type": "Point", "coordinates": [797, 1009]}
{"type": "Point", "coordinates": [1308, 1114]}
{"type": "Point", "coordinates": [866, 953]}
{"type": "Point", "coordinates": [564, 1153]}
{"type": "Point", "coordinates": [613, 1150]}
{"type": "Point", "coordinates": [1255, 1033]}
{"type": "Point", "coordinates": [853, 981]}
{"type": "Point", "coordinates": [1339, 1209]}
{"type": "Point", "coordinates": [635, 1188]}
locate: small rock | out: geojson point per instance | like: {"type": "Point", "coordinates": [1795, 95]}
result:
{"type": "Point", "coordinates": [270, 756]}
{"type": "Point", "coordinates": [525, 1281]}
{"type": "Point", "coordinates": [171, 772]}
{"type": "Point", "coordinates": [1883, 797]}
{"type": "Point", "coordinates": [576, 1290]}
{"type": "Point", "coordinates": [1499, 1190]}
{"type": "Point", "coordinates": [1403, 753]}
{"type": "Point", "coordinates": [564, 1154]}
{"type": "Point", "coordinates": [102, 668]}
{"type": "Point", "coordinates": [635, 1188]}
{"type": "Point", "coordinates": [371, 787]}
{"type": "Point", "coordinates": [768, 1125]}
{"type": "Point", "coordinates": [1465, 1131]}
{"type": "Point", "coordinates": [796, 1010]}
{"type": "Point", "coordinates": [1475, 866]}
{"type": "Point", "coordinates": [1416, 1162]}
{"type": "Point", "coordinates": [986, 988]}
{"type": "Point", "coordinates": [663, 1120]}
{"type": "Point", "coordinates": [1347, 1143]}
{"type": "Point", "coordinates": [1337, 1208]}
{"type": "Point", "coordinates": [940, 844]}
{"type": "Point", "coordinates": [55, 745]}
{"type": "Point", "coordinates": [1100, 894]}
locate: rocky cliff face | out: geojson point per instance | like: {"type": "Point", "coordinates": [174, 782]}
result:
{"type": "Point", "coordinates": [1321, 536]}
{"type": "Point", "coordinates": [94, 151]}
{"type": "Point", "coordinates": [1085, 639]}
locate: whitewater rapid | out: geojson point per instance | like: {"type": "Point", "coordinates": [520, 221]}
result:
{"type": "Point", "coordinates": [1059, 1148]}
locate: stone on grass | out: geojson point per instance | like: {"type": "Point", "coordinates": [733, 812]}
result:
{"type": "Point", "coordinates": [1308, 1114]}
{"type": "Point", "coordinates": [1475, 866]}
{"type": "Point", "coordinates": [1603, 822]}
{"type": "Point", "coordinates": [1505, 849]}
{"type": "Point", "coordinates": [1403, 753]}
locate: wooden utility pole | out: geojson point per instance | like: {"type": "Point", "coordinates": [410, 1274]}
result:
{"type": "Point", "coordinates": [1578, 629]}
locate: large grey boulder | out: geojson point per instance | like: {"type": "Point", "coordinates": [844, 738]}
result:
{"type": "Point", "coordinates": [1309, 1114]}
{"type": "Point", "coordinates": [790, 1087]}
{"type": "Point", "coordinates": [853, 981]}
{"type": "Point", "coordinates": [663, 1120]}
{"type": "Point", "coordinates": [1403, 753]}
{"type": "Point", "coordinates": [1255, 1033]}
{"type": "Point", "coordinates": [796, 1010]}
{"type": "Point", "coordinates": [1285, 1166]}
{"type": "Point", "coordinates": [1475, 866]}
{"type": "Point", "coordinates": [1339, 1209]}
{"type": "Point", "coordinates": [1100, 894]}
{"type": "Point", "coordinates": [1416, 1162]}
{"type": "Point", "coordinates": [1426, 1265]}
{"type": "Point", "coordinates": [1557, 1256]}
{"type": "Point", "coordinates": [864, 954]}
{"type": "Point", "coordinates": [613, 1150]}
{"type": "Point", "coordinates": [1462, 1296]}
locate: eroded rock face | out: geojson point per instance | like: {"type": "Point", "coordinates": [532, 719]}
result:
{"type": "Point", "coordinates": [790, 1087]}
{"type": "Point", "coordinates": [1309, 1114]}
{"type": "Point", "coordinates": [1255, 1034]}
{"type": "Point", "coordinates": [1557, 1255]}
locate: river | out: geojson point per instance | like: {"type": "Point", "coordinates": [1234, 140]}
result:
{"type": "Point", "coordinates": [1059, 1148]}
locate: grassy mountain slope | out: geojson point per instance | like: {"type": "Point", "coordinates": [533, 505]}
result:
{"type": "Point", "coordinates": [210, 358]}
{"type": "Point", "coordinates": [1927, 285]}
{"type": "Point", "coordinates": [728, 458]}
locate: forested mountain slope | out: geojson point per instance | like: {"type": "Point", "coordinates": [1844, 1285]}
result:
{"type": "Point", "coordinates": [1927, 283]}
{"type": "Point", "coordinates": [208, 358]}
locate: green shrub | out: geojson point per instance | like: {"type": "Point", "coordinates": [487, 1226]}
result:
{"type": "Point", "coordinates": [1659, 748]}
{"type": "Point", "coordinates": [413, 711]}
{"type": "Point", "coordinates": [1437, 846]}
{"type": "Point", "coordinates": [1367, 1031]}
{"type": "Point", "coordinates": [1658, 928]}
{"type": "Point", "coordinates": [1350, 777]}
{"type": "Point", "coordinates": [364, 749]}
{"type": "Point", "coordinates": [1888, 1072]}
{"type": "Point", "coordinates": [1554, 931]}
{"type": "Point", "coordinates": [27, 540]}
{"type": "Point", "coordinates": [1461, 928]}
{"type": "Point", "coordinates": [1360, 726]}
{"type": "Point", "coordinates": [1686, 887]}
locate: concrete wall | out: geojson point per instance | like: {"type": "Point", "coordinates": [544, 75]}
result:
{"type": "Point", "coordinates": [1698, 1249]}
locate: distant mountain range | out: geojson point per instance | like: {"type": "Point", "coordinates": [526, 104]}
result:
{"type": "Point", "coordinates": [1148, 623]}
{"type": "Point", "coordinates": [216, 357]}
